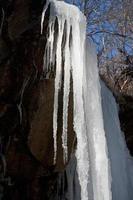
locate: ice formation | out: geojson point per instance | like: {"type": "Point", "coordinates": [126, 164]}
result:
{"type": "Point", "coordinates": [98, 154]}
{"type": "Point", "coordinates": [121, 162]}
{"type": "Point", "coordinates": [69, 54]}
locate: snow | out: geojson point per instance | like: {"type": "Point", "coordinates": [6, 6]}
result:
{"type": "Point", "coordinates": [102, 157]}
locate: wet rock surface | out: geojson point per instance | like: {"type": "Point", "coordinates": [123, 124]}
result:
{"type": "Point", "coordinates": [26, 107]}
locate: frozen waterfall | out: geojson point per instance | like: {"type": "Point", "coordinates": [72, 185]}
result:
{"type": "Point", "coordinates": [121, 162]}
{"type": "Point", "coordinates": [99, 156]}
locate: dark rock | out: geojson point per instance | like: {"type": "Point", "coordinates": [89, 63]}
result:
{"type": "Point", "coordinates": [4, 51]}
{"type": "Point", "coordinates": [40, 112]}
{"type": "Point", "coordinates": [18, 22]}
{"type": "Point", "coordinates": [26, 107]}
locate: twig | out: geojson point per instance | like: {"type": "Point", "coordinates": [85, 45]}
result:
{"type": "Point", "coordinates": [109, 32]}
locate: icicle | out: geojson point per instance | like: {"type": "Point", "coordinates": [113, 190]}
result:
{"type": "Point", "coordinates": [48, 55]}
{"type": "Point", "coordinates": [51, 40]}
{"type": "Point", "coordinates": [67, 68]}
{"type": "Point", "coordinates": [57, 82]}
{"type": "Point", "coordinates": [77, 57]}
{"type": "Point", "coordinates": [43, 15]}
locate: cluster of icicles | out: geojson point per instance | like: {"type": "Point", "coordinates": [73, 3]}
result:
{"type": "Point", "coordinates": [78, 58]}
{"type": "Point", "coordinates": [74, 59]}
{"type": "Point", "coordinates": [55, 54]}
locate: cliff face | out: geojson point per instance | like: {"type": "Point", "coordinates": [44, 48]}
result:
{"type": "Point", "coordinates": [26, 106]}
{"type": "Point", "coordinates": [126, 119]}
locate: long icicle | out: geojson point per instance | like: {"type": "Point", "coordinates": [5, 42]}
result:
{"type": "Point", "coordinates": [67, 68]}
{"type": "Point", "coordinates": [57, 82]}
{"type": "Point", "coordinates": [82, 154]}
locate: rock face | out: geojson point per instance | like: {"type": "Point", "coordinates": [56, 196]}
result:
{"type": "Point", "coordinates": [40, 137]}
{"type": "Point", "coordinates": [26, 107]}
{"type": "Point", "coordinates": [126, 119]}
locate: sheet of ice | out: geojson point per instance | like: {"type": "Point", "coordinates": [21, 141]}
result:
{"type": "Point", "coordinates": [100, 169]}
{"type": "Point", "coordinates": [67, 184]}
{"type": "Point", "coordinates": [120, 160]}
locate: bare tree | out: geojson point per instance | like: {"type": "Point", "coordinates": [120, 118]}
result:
{"type": "Point", "coordinates": [109, 25]}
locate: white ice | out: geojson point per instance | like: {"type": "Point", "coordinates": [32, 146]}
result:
{"type": "Point", "coordinates": [120, 160]}
{"type": "Point", "coordinates": [99, 156]}
{"type": "Point", "coordinates": [97, 147]}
